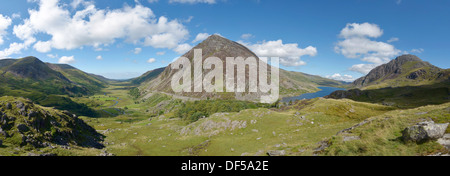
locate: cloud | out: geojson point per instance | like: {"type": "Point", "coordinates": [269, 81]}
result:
{"type": "Point", "coordinates": [14, 48]}
{"type": "Point", "coordinates": [43, 47]}
{"type": "Point", "coordinates": [99, 57]}
{"type": "Point", "coordinates": [339, 77]}
{"type": "Point", "coordinates": [192, 1]}
{"type": "Point", "coordinates": [160, 53]}
{"type": "Point", "coordinates": [357, 43]}
{"type": "Point", "coordinates": [290, 54]}
{"type": "Point", "coordinates": [98, 28]}
{"type": "Point", "coordinates": [363, 68]}
{"type": "Point", "coordinates": [151, 60]}
{"type": "Point", "coordinates": [246, 36]}
{"type": "Point", "coordinates": [419, 50]}
{"type": "Point", "coordinates": [137, 50]}
{"type": "Point", "coordinates": [5, 22]}
{"type": "Point", "coordinates": [398, 2]}
{"type": "Point", "coordinates": [66, 60]}
{"type": "Point", "coordinates": [183, 48]}
{"type": "Point", "coordinates": [77, 3]}
{"type": "Point", "coordinates": [15, 15]}
{"type": "Point", "coordinates": [201, 37]}
{"type": "Point", "coordinates": [393, 39]}
{"type": "Point", "coordinates": [152, 1]}
{"type": "Point", "coordinates": [52, 56]}
{"type": "Point", "coordinates": [361, 30]}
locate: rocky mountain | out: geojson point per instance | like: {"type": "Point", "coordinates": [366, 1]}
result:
{"type": "Point", "coordinates": [405, 82]}
{"type": "Point", "coordinates": [291, 83]}
{"type": "Point", "coordinates": [23, 123]}
{"type": "Point", "coordinates": [405, 70]}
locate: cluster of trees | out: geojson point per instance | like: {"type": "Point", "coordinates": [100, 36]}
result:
{"type": "Point", "coordinates": [134, 93]}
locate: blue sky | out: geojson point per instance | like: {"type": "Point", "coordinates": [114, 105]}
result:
{"type": "Point", "coordinates": [123, 39]}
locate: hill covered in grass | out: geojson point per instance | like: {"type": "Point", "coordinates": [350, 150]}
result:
{"type": "Point", "coordinates": [48, 84]}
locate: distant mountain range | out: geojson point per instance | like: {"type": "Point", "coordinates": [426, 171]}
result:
{"type": "Point", "coordinates": [291, 83]}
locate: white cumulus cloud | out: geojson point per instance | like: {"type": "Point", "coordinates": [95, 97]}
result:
{"type": "Point", "coordinates": [183, 48]}
{"type": "Point", "coordinates": [66, 60]}
{"type": "Point", "coordinates": [358, 43]}
{"type": "Point", "coordinates": [137, 50]}
{"type": "Point", "coordinates": [151, 60]}
{"type": "Point", "coordinates": [99, 57]}
{"type": "Point", "coordinates": [290, 54]}
{"type": "Point", "coordinates": [90, 26]}
{"type": "Point", "coordinates": [339, 77]}
{"type": "Point", "coordinates": [5, 22]}
{"type": "Point", "coordinates": [193, 1]}
{"type": "Point", "coordinates": [200, 37]}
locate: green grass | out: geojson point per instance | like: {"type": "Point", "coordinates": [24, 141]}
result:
{"type": "Point", "coordinates": [382, 136]}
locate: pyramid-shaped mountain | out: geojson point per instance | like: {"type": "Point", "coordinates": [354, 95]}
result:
{"type": "Point", "coordinates": [291, 83]}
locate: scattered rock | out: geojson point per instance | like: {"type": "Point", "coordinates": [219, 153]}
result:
{"type": "Point", "coordinates": [445, 141]}
{"type": "Point", "coordinates": [105, 153]}
{"type": "Point", "coordinates": [8, 106]}
{"type": "Point", "coordinates": [424, 131]}
{"type": "Point", "coordinates": [322, 147]}
{"type": "Point", "coordinates": [421, 113]}
{"type": "Point", "coordinates": [255, 130]}
{"type": "Point", "coordinates": [22, 128]}
{"type": "Point", "coordinates": [350, 138]}
{"type": "Point", "coordinates": [276, 153]}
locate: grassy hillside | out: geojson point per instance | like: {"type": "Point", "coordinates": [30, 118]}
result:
{"type": "Point", "coordinates": [382, 135]}
{"type": "Point", "coordinates": [401, 97]}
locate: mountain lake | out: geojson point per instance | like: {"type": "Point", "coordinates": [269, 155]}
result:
{"type": "Point", "coordinates": [323, 92]}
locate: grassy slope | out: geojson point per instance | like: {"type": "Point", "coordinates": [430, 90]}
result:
{"type": "Point", "coordinates": [382, 135]}
{"type": "Point", "coordinates": [141, 132]}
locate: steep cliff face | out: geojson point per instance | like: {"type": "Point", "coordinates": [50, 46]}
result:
{"type": "Point", "coordinates": [405, 70]}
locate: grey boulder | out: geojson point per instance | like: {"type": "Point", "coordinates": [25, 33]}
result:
{"type": "Point", "coordinates": [424, 131]}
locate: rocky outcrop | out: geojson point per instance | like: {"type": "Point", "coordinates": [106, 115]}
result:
{"type": "Point", "coordinates": [424, 131]}
{"type": "Point", "coordinates": [24, 123]}
{"type": "Point", "coordinates": [276, 153]}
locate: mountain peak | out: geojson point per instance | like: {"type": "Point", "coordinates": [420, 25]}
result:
{"type": "Point", "coordinates": [407, 58]}
{"type": "Point", "coordinates": [397, 71]}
